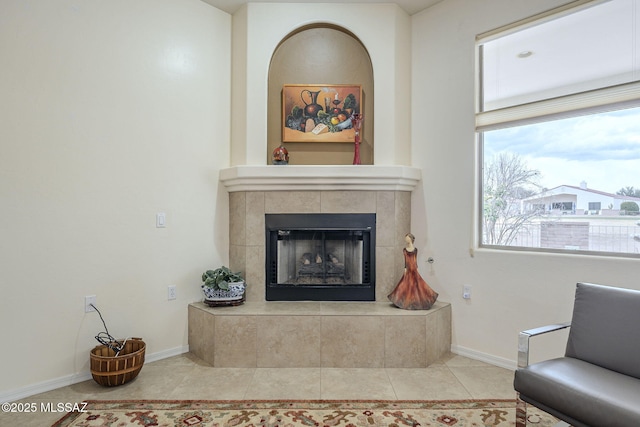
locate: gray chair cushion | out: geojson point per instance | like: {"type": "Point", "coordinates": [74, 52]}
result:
{"type": "Point", "coordinates": [605, 328]}
{"type": "Point", "coordinates": [583, 391]}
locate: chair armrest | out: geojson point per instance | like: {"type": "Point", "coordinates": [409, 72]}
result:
{"type": "Point", "coordinates": [523, 340]}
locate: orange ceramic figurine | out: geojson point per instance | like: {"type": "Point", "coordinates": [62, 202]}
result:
{"type": "Point", "coordinates": [412, 292]}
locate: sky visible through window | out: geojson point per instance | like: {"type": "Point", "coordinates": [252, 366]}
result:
{"type": "Point", "coordinates": [602, 150]}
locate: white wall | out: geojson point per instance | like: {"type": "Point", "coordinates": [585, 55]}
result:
{"type": "Point", "coordinates": [384, 29]}
{"type": "Point", "coordinates": [511, 291]}
{"type": "Point", "coordinates": [111, 112]}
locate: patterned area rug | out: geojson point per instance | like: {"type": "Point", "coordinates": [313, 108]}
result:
{"type": "Point", "coordinates": [319, 413]}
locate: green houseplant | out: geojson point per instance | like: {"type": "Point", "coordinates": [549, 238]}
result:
{"type": "Point", "coordinates": [223, 286]}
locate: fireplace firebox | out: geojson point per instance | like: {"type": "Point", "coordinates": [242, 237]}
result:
{"type": "Point", "coordinates": [320, 257]}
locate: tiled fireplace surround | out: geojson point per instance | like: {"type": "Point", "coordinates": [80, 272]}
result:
{"type": "Point", "coordinates": [263, 333]}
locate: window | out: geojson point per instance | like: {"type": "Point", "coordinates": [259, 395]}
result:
{"type": "Point", "coordinates": [558, 123]}
{"type": "Point", "coordinates": [563, 206]}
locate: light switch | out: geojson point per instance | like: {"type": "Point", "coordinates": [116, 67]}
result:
{"type": "Point", "coordinates": [161, 220]}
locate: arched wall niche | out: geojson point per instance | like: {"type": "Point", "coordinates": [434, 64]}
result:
{"type": "Point", "coordinates": [320, 53]}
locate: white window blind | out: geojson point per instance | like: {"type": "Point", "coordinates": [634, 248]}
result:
{"type": "Point", "coordinates": [578, 59]}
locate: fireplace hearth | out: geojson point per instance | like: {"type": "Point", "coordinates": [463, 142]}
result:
{"type": "Point", "coordinates": [320, 257]}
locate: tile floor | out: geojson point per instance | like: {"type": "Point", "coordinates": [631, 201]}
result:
{"type": "Point", "coordinates": [187, 377]}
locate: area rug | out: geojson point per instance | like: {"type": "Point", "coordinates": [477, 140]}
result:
{"type": "Point", "coordinates": [290, 413]}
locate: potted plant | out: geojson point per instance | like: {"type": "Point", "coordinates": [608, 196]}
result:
{"type": "Point", "coordinates": [223, 287]}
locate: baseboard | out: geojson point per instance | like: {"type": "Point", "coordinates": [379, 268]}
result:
{"type": "Point", "coordinates": [484, 357]}
{"type": "Point", "coordinates": [67, 380]}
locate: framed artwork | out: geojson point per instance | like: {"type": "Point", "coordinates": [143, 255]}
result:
{"type": "Point", "coordinates": [319, 112]}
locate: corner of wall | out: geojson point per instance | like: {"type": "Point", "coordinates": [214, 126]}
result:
{"type": "Point", "coordinates": [238, 150]}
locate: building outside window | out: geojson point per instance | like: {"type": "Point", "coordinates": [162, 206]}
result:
{"type": "Point", "coordinates": [595, 206]}
{"type": "Point", "coordinates": [558, 125]}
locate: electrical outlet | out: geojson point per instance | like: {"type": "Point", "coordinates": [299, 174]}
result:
{"type": "Point", "coordinates": [172, 292]}
{"type": "Point", "coordinates": [466, 291]}
{"type": "Point", "coordinates": [88, 300]}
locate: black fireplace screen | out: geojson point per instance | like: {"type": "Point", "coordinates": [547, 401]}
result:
{"type": "Point", "coordinates": [321, 257]}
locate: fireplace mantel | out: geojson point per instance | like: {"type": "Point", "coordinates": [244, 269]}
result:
{"type": "Point", "coordinates": [319, 177]}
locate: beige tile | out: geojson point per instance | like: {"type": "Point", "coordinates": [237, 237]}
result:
{"type": "Point", "coordinates": [201, 334]}
{"type": "Point", "coordinates": [290, 308]}
{"type": "Point", "coordinates": [433, 383]}
{"type": "Point", "coordinates": [255, 273]}
{"type": "Point", "coordinates": [288, 341]}
{"type": "Point", "coordinates": [346, 330]}
{"type": "Point", "coordinates": [385, 218]}
{"type": "Point", "coordinates": [352, 341]}
{"type": "Point", "coordinates": [405, 346]}
{"type": "Point", "coordinates": [443, 331]}
{"type": "Point", "coordinates": [214, 384]}
{"type": "Point", "coordinates": [290, 383]}
{"type": "Point", "coordinates": [346, 308]}
{"type": "Point", "coordinates": [486, 382]}
{"type": "Point", "coordinates": [209, 340]}
{"type": "Point", "coordinates": [195, 329]}
{"type": "Point", "coordinates": [348, 201]}
{"type": "Point", "coordinates": [79, 391]}
{"type": "Point", "coordinates": [235, 338]}
{"type": "Point", "coordinates": [238, 258]}
{"type": "Point", "coordinates": [432, 340]}
{"type": "Point", "coordinates": [255, 218]}
{"type": "Point", "coordinates": [237, 218]}
{"type": "Point", "coordinates": [356, 383]}
{"type": "Point", "coordinates": [292, 202]}
{"type": "Point", "coordinates": [403, 215]}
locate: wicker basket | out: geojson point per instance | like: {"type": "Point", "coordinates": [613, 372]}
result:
{"type": "Point", "coordinates": [110, 370]}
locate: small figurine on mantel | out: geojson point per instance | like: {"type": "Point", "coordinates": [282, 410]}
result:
{"type": "Point", "coordinates": [280, 156]}
{"type": "Point", "coordinates": [412, 292]}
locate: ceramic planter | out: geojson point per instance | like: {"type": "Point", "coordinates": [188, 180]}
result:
{"type": "Point", "coordinates": [233, 296]}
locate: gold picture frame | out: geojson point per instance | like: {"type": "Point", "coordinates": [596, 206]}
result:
{"type": "Point", "coordinates": [306, 105]}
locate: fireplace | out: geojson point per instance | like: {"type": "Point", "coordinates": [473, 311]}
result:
{"type": "Point", "coordinates": [320, 257]}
